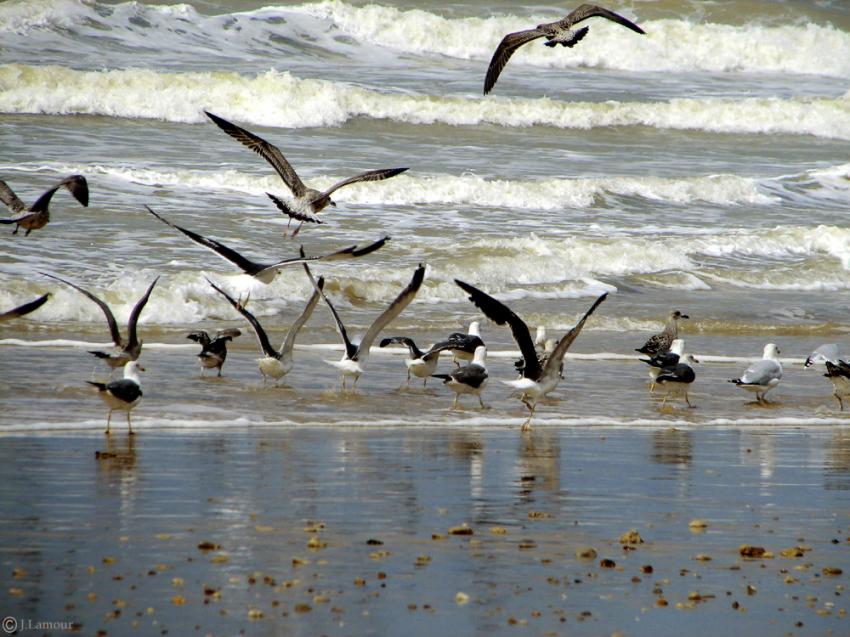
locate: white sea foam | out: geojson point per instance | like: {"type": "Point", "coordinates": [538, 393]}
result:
{"type": "Point", "coordinates": [284, 100]}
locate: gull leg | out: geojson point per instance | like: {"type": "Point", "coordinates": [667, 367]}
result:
{"type": "Point", "coordinates": [108, 421]}
{"type": "Point", "coordinates": [454, 404]}
{"type": "Point", "coordinates": [425, 382]}
{"type": "Point", "coordinates": [688, 401]}
{"type": "Point", "coordinates": [297, 230]}
{"type": "Point", "coordinates": [408, 377]}
{"type": "Point", "coordinates": [840, 402]}
{"type": "Point", "coordinates": [664, 402]}
{"type": "Point", "coordinates": [481, 401]}
{"type": "Point", "coordinates": [286, 232]}
{"type": "Point", "coordinates": [130, 425]}
{"type": "Point", "coordinates": [651, 386]}
{"type": "Point", "coordinates": [526, 426]}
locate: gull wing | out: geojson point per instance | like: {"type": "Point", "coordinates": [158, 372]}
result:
{"type": "Point", "coordinates": [371, 175]}
{"type": "Point", "coordinates": [553, 364]}
{"type": "Point", "coordinates": [509, 44]}
{"type": "Point", "coordinates": [351, 252]}
{"type": "Point", "coordinates": [76, 185]}
{"type": "Point", "coordinates": [289, 341]}
{"type": "Point", "coordinates": [132, 341]}
{"type": "Point", "coordinates": [243, 263]}
{"type": "Point", "coordinates": [395, 308]}
{"type": "Point", "coordinates": [200, 337]}
{"type": "Point", "coordinates": [262, 337]}
{"type": "Point", "coordinates": [264, 149]}
{"type": "Point", "coordinates": [414, 351]}
{"type": "Point", "coordinates": [26, 308]}
{"type": "Point", "coordinates": [500, 314]}
{"type": "Point", "coordinates": [228, 332]}
{"type": "Point", "coordinates": [350, 349]}
{"type": "Point", "coordinates": [110, 318]}
{"type": "Point", "coordinates": [586, 11]}
{"type": "Point", "coordinates": [762, 372]}
{"type": "Point", "coordinates": [10, 199]}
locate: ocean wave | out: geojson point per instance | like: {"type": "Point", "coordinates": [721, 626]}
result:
{"type": "Point", "coordinates": [284, 100]}
{"type": "Point", "coordinates": [342, 28]}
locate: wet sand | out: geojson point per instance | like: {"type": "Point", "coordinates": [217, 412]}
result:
{"type": "Point", "coordinates": [351, 531]}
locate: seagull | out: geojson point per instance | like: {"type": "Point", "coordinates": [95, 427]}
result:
{"type": "Point", "coordinates": [24, 309]}
{"type": "Point", "coordinates": [125, 351]}
{"type": "Point", "coordinates": [420, 364]}
{"type": "Point", "coordinates": [763, 375]}
{"type": "Point", "coordinates": [839, 374]}
{"type": "Point", "coordinates": [829, 352]}
{"type": "Point", "coordinates": [38, 214]}
{"type": "Point", "coordinates": [462, 346]}
{"type": "Point", "coordinates": [542, 346]}
{"type": "Point", "coordinates": [122, 394]}
{"type": "Point", "coordinates": [469, 379]}
{"type": "Point", "coordinates": [356, 354]}
{"type": "Point", "coordinates": [663, 361]}
{"type": "Point", "coordinates": [266, 272]}
{"type": "Point", "coordinates": [308, 201]}
{"type": "Point", "coordinates": [274, 363]}
{"type": "Point", "coordinates": [537, 379]}
{"type": "Point", "coordinates": [677, 378]}
{"type": "Point", "coordinates": [559, 32]}
{"type": "Point", "coordinates": [660, 343]}
{"type": "Point", "coordinates": [214, 350]}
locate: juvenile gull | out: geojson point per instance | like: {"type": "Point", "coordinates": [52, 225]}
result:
{"type": "Point", "coordinates": [469, 379]}
{"type": "Point", "coordinates": [677, 379]}
{"type": "Point", "coordinates": [660, 343]}
{"type": "Point", "coordinates": [124, 351]}
{"type": "Point", "coordinates": [420, 364]}
{"type": "Point", "coordinates": [213, 349]}
{"type": "Point", "coordinates": [662, 361]}
{"type": "Point", "coordinates": [537, 379]}
{"type": "Point", "coordinates": [275, 363]}
{"type": "Point", "coordinates": [839, 374]}
{"type": "Point", "coordinates": [763, 375]}
{"type": "Point", "coordinates": [24, 309]}
{"type": "Point", "coordinates": [38, 214]}
{"type": "Point", "coordinates": [356, 354]}
{"type": "Point", "coordinates": [266, 272]}
{"type": "Point", "coordinates": [122, 394]}
{"type": "Point", "coordinates": [559, 32]}
{"type": "Point", "coordinates": [462, 346]}
{"type": "Point", "coordinates": [308, 201]}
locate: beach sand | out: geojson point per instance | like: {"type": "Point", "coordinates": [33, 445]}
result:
{"type": "Point", "coordinates": [424, 531]}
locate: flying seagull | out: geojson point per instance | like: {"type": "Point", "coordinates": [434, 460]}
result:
{"type": "Point", "coordinates": [839, 374]}
{"type": "Point", "coordinates": [24, 309]}
{"type": "Point", "coordinates": [356, 354]}
{"type": "Point", "coordinates": [275, 363]}
{"type": "Point", "coordinates": [125, 351]}
{"type": "Point", "coordinates": [462, 346]}
{"type": "Point", "coordinates": [266, 272]}
{"type": "Point", "coordinates": [660, 343]}
{"type": "Point", "coordinates": [420, 364]}
{"type": "Point", "coordinates": [559, 32]}
{"type": "Point", "coordinates": [677, 379]}
{"type": "Point", "coordinates": [763, 375]}
{"type": "Point", "coordinates": [213, 349]}
{"type": "Point", "coordinates": [38, 214]}
{"type": "Point", "coordinates": [308, 201]}
{"type": "Point", "coordinates": [122, 394]}
{"type": "Point", "coordinates": [537, 379]}
{"type": "Point", "coordinates": [469, 379]}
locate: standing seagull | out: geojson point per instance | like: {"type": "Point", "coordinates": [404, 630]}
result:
{"type": "Point", "coordinates": [537, 379]}
{"type": "Point", "coordinates": [274, 363]}
{"type": "Point", "coordinates": [125, 351]}
{"type": "Point", "coordinates": [356, 354]}
{"type": "Point", "coordinates": [266, 272]}
{"type": "Point", "coordinates": [469, 379]}
{"type": "Point", "coordinates": [213, 350]}
{"type": "Point", "coordinates": [660, 343]}
{"type": "Point", "coordinates": [420, 364]}
{"type": "Point", "coordinates": [462, 346]}
{"type": "Point", "coordinates": [559, 32]}
{"type": "Point", "coordinates": [678, 378]}
{"type": "Point", "coordinates": [122, 394]}
{"type": "Point", "coordinates": [24, 309]}
{"type": "Point", "coordinates": [38, 214]}
{"type": "Point", "coordinates": [763, 375]}
{"type": "Point", "coordinates": [660, 362]}
{"type": "Point", "coordinates": [839, 374]}
{"type": "Point", "coordinates": [308, 201]}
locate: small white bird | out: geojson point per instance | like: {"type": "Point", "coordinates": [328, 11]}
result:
{"type": "Point", "coordinates": [420, 364]}
{"type": "Point", "coordinates": [763, 375]}
{"type": "Point", "coordinates": [469, 379]}
{"type": "Point", "coordinates": [677, 379]}
{"type": "Point", "coordinates": [122, 394]}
